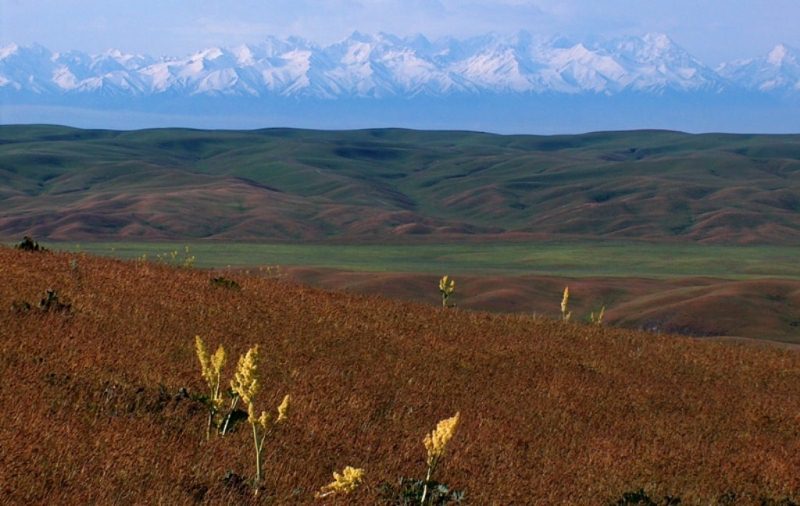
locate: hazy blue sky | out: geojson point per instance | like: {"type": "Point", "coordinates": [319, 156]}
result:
{"type": "Point", "coordinates": [713, 30]}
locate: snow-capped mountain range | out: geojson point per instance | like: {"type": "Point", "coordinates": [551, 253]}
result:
{"type": "Point", "coordinates": [384, 66]}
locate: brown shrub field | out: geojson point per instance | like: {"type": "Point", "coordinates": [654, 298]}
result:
{"type": "Point", "coordinates": [551, 413]}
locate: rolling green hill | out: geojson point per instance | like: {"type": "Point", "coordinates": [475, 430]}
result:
{"type": "Point", "coordinates": [281, 184]}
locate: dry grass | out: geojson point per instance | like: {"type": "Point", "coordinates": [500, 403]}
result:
{"type": "Point", "coordinates": [551, 413]}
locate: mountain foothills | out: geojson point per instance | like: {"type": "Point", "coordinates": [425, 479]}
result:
{"type": "Point", "coordinates": [383, 65]}
{"type": "Point", "coordinates": [284, 184]}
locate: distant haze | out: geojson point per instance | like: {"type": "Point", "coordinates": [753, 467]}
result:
{"type": "Point", "coordinates": [714, 30]}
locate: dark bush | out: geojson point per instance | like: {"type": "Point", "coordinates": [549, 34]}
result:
{"type": "Point", "coordinates": [225, 283]}
{"type": "Point", "coordinates": [408, 492]}
{"type": "Point", "coordinates": [50, 302]}
{"type": "Point", "coordinates": [640, 497]}
{"type": "Point", "coordinates": [29, 244]}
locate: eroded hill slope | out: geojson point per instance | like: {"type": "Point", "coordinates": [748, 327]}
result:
{"type": "Point", "coordinates": [281, 184]}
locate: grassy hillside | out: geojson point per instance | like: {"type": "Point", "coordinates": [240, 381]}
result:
{"type": "Point", "coordinates": [551, 413]}
{"type": "Point", "coordinates": [285, 184]}
{"type": "Point", "coordinates": [693, 289]}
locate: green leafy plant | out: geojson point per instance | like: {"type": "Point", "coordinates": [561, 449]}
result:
{"type": "Point", "coordinates": [409, 491]}
{"type": "Point", "coordinates": [640, 498]}
{"type": "Point", "coordinates": [447, 287]}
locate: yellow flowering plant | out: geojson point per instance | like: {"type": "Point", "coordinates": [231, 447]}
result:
{"type": "Point", "coordinates": [447, 286]}
{"type": "Point", "coordinates": [565, 312]}
{"type": "Point", "coordinates": [246, 385]}
{"type": "Point", "coordinates": [211, 370]}
{"type": "Point", "coordinates": [344, 483]}
{"type": "Point", "coordinates": [435, 444]}
{"type": "Point", "coordinates": [427, 491]}
{"type": "Point", "coordinates": [598, 318]}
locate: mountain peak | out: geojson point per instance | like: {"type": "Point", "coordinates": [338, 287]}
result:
{"type": "Point", "coordinates": [360, 37]}
{"type": "Point", "coordinates": [211, 53]}
{"type": "Point", "coordinates": [658, 40]}
{"type": "Point", "coordinates": [382, 65]}
{"type": "Point", "coordinates": [779, 54]}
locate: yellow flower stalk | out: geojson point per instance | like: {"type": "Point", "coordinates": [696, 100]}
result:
{"type": "Point", "coordinates": [246, 384]}
{"type": "Point", "coordinates": [262, 427]}
{"type": "Point", "coordinates": [245, 380]}
{"type": "Point", "coordinates": [565, 313]}
{"type": "Point", "coordinates": [202, 355]}
{"type": "Point", "coordinates": [437, 440]}
{"type": "Point", "coordinates": [447, 287]}
{"type": "Point", "coordinates": [597, 320]}
{"type": "Point", "coordinates": [211, 369]}
{"type": "Point", "coordinates": [435, 444]}
{"type": "Point", "coordinates": [344, 483]}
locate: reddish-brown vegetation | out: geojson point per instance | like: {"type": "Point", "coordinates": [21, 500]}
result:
{"type": "Point", "coordinates": [765, 310]}
{"type": "Point", "coordinates": [550, 413]}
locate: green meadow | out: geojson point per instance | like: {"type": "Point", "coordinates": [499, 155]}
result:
{"type": "Point", "coordinates": [575, 259]}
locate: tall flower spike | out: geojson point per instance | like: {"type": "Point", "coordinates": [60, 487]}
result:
{"type": "Point", "coordinates": [202, 356]}
{"type": "Point", "coordinates": [565, 314]}
{"type": "Point", "coordinates": [218, 361]}
{"type": "Point", "coordinates": [211, 366]}
{"type": "Point", "coordinates": [245, 380]}
{"type": "Point", "coordinates": [436, 441]}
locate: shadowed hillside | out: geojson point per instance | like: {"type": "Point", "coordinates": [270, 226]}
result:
{"type": "Point", "coordinates": [551, 413]}
{"type": "Point", "coordinates": [280, 184]}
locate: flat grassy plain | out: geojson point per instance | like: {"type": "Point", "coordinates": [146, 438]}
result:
{"type": "Point", "coordinates": [551, 413]}
{"type": "Point", "coordinates": [569, 259]}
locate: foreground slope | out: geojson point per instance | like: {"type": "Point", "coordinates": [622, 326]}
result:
{"type": "Point", "coordinates": [281, 184]}
{"type": "Point", "coordinates": [551, 413]}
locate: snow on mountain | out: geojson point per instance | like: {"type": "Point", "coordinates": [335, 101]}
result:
{"type": "Point", "coordinates": [655, 63]}
{"type": "Point", "coordinates": [28, 68]}
{"type": "Point", "coordinates": [384, 65]}
{"type": "Point", "coordinates": [778, 71]}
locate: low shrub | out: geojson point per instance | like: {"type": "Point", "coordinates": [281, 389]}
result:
{"type": "Point", "coordinates": [29, 244]}
{"type": "Point", "coordinates": [223, 282]}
